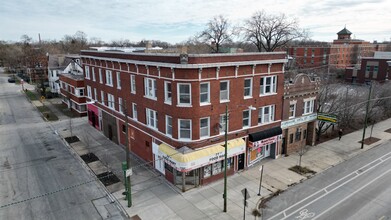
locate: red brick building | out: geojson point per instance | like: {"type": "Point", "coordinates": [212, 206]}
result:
{"type": "Point", "coordinates": [73, 92]}
{"type": "Point", "coordinates": [375, 68]}
{"type": "Point", "coordinates": [299, 113]}
{"type": "Point", "coordinates": [176, 108]}
{"type": "Point", "coordinates": [310, 56]}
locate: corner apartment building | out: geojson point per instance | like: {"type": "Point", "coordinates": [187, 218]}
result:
{"type": "Point", "coordinates": [309, 56]}
{"type": "Point", "coordinates": [299, 113]}
{"type": "Point", "coordinates": [72, 91]}
{"type": "Point", "coordinates": [175, 107]}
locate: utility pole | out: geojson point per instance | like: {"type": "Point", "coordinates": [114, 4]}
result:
{"type": "Point", "coordinates": [225, 157]}
{"type": "Point", "coordinates": [128, 185]}
{"type": "Point", "coordinates": [366, 116]}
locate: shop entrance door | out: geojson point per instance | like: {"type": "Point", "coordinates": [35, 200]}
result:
{"type": "Point", "coordinates": [241, 162]}
{"type": "Point", "coordinates": [267, 150]}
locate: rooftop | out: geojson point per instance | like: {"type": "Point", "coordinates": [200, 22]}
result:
{"type": "Point", "coordinates": [344, 31]}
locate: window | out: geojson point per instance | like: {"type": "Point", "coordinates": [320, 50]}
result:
{"type": "Point", "coordinates": [298, 134]}
{"type": "Point", "coordinates": [95, 95]}
{"type": "Point", "coordinates": [133, 84]}
{"type": "Point", "coordinates": [89, 94]}
{"type": "Point", "coordinates": [292, 110]}
{"type": "Point", "coordinates": [109, 78]}
{"type": "Point", "coordinates": [246, 119]}
{"type": "Point", "coordinates": [308, 106]}
{"type": "Point", "coordinates": [93, 74]}
{"type": "Point", "coordinates": [87, 70]}
{"type": "Point", "coordinates": [169, 125]}
{"type": "Point", "coordinates": [204, 93]}
{"type": "Point", "coordinates": [151, 118]}
{"type": "Point", "coordinates": [224, 91]}
{"type": "Point", "coordinates": [100, 76]}
{"type": "Point", "coordinates": [150, 88]}
{"type": "Point", "coordinates": [123, 128]}
{"type": "Point", "coordinates": [290, 138]}
{"type": "Point", "coordinates": [134, 111]}
{"type": "Point", "coordinates": [204, 127]}
{"type": "Point", "coordinates": [248, 83]}
{"type": "Point", "coordinates": [222, 123]}
{"type": "Point", "coordinates": [184, 94]}
{"type": "Point", "coordinates": [266, 114]}
{"type": "Point", "coordinates": [167, 92]}
{"type": "Point", "coordinates": [110, 101]}
{"type": "Point", "coordinates": [118, 80]}
{"type": "Point", "coordinates": [81, 92]}
{"type": "Point", "coordinates": [268, 85]}
{"type": "Point", "coordinates": [304, 134]}
{"type": "Point", "coordinates": [102, 95]}
{"type": "Point", "coordinates": [184, 128]}
{"type": "Point", "coordinates": [120, 105]}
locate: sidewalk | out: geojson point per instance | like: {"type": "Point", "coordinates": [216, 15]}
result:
{"type": "Point", "coordinates": [154, 198]}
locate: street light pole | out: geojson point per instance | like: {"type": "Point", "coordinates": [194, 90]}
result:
{"type": "Point", "coordinates": [225, 157]}
{"type": "Point", "coordinates": [260, 181]}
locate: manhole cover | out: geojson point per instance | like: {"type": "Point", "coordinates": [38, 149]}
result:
{"type": "Point", "coordinates": [88, 158]}
{"type": "Point", "coordinates": [108, 178]}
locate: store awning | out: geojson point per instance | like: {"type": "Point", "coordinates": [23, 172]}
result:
{"type": "Point", "coordinates": [265, 134]}
{"type": "Point", "coordinates": [198, 158]}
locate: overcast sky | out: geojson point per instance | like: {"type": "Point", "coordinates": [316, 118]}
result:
{"type": "Point", "coordinates": [176, 20]}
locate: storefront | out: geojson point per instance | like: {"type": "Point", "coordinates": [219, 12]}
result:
{"type": "Point", "coordinates": [93, 115]}
{"type": "Point", "coordinates": [263, 144]}
{"type": "Point", "coordinates": [187, 168]}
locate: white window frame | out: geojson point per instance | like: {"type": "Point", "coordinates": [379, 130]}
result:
{"type": "Point", "coordinates": [179, 94]}
{"type": "Point", "coordinates": [110, 101]}
{"type": "Point", "coordinates": [102, 95]}
{"type": "Point", "coordinates": [133, 84]}
{"type": "Point", "coordinates": [292, 111]}
{"type": "Point", "coordinates": [100, 76]}
{"type": "Point", "coordinates": [120, 105]}
{"type": "Point", "coordinates": [264, 85]}
{"type": "Point", "coordinates": [250, 95]}
{"type": "Point", "coordinates": [224, 91]}
{"type": "Point", "coordinates": [205, 129]}
{"type": "Point", "coordinates": [151, 118]}
{"type": "Point", "coordinates": [222, 124]}
{"type": "Point", "coordinates": [248, 118]}
{"type": "Point", "coordinates": [167, 92]}
{"type": "Point", "coordinates": [93, 74]}
{"type": "Point", "coordinates": [266, 118]}
{"type": "Point", "coordinates": [168, 125]}
{"type": "Point", "coordinates": [118, 80]}
{"type": "Point", "coordinates": [207, 93]}
{"type": "Point", "coordinates": [87, 71]}
{"type": "Point", "coordinates": [89, 93]}
{"type": "Point", "coordinates": [134, 111]}
{"type": "Point", "coordinates": [95, 94]}
{"type": "Point", "coordinates": [109, 78]}
{"type": "Point", "coordinates": [180, 132]}
{"type": "Point", "coordinates": [308, 106]}
{"type": "Point", "coordinates": [150, 88]}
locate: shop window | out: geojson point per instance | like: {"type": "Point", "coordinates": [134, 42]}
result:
{"type": "Point", "coordinates": [291, 138]}
{"type": "Point", "coordinates": [207, 171]}
{"type": "Point", "coordinates": [305, 134]}
{"type": "Point", "coordinates": [217, 167]}
{"type": "Point", "coordinates": [298, 135]}
{"type": "Point", "coordinates": [168, 167]}
{"type": "Point", "coordinates": [123, 128]}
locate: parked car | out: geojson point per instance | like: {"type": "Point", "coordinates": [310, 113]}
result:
{"type": "Point", "coordinates": [11, 80]}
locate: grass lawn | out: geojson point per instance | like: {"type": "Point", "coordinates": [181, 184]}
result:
{"type": "Point", "coordinates": [64, 109]}
{"type": "Point", "coordinates": [49, 115]}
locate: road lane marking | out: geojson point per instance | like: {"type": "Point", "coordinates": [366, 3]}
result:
{"type": "Point", "coordinates": [304, 214]}
{"type": "Point", "coordinates": [352, 194]}
{"type": "Point", "coordinates": [356, 175]}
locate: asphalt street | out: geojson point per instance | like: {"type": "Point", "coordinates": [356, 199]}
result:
{"type": "Point", "coordinates": [39, 177]}
{"type": "Point", "coordinates": [356, 189]}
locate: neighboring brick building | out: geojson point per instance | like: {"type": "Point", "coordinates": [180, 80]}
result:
{"type": "Point", "coordinates": [310, 55]}
{"type": "Point", "coordinates": [176, 106]}
{"type": "Point", "coordinates": [372, 68]}
{"type": "Point", "coordinates": [299, 113]}
{"type": "Point", "coordinates": [72, 90]}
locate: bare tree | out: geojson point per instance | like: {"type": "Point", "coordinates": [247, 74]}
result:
{"type": "Point", "coordinates": [216, 33]}
{"type": "Point", "coordinates": [269, 32]}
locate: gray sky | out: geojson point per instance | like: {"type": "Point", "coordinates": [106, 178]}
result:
{"type": "Point", "coordinates": [176, 20]}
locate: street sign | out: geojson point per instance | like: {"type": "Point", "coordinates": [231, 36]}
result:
{"type": "Point", "coordinates": [245, 193]}
{"type": "Point", "coordinates": [327, 117]}
{"type": "Point", "coordinates": [129, 172]}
